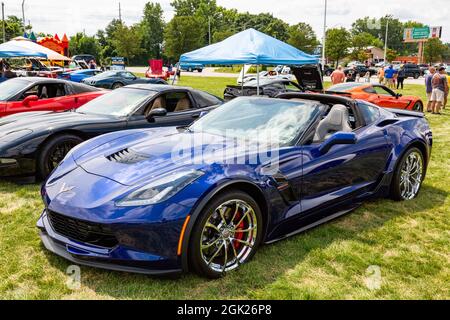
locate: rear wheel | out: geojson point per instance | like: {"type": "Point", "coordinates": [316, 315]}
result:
{"type": "Point", "coordinates": [117, 85]}
{"type": "Point", "coordinates": [408, 176]}
{"type": "Point", "coordinates": [53, 152]}
{"type": "Point", "coordinates": [416, 75]}
{"type": "Point", "coordinates": [226, 235]}
{"type": "Point", "coordinates": [418, 106]}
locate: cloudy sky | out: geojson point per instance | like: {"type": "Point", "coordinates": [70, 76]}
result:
{"type": "Point", "coordinates": [61, 16]}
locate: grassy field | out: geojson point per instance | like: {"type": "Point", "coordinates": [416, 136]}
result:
{"type": "Point", "coordinates": [409, 242]}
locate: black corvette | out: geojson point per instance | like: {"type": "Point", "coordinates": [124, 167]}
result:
{"type": "Point", "coordinates": [35, 142]}
{"type": "Point", "coordinates": [309, 78]}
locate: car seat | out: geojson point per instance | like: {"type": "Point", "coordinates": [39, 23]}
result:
{"type": "Point", "coordinates": [183, 104]}
{"type": "Point", "coordinates": [336, 120]}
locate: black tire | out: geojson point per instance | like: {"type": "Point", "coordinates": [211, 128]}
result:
{"type": "Point", "coordinates": [416, 75]}
{"type": "Point", "coordinates": [56, 148]}
{"type": "Point", "coordinates": [117, 85]}
{"type": "Point", "coordinates": [396, 192]}
{"type": "Point", "coordinates": [200, 70]}
{"type": "Point", "coordinates": [418, 106]}
{"type": "Point", "coordinates": [197, 262]}
{"type": "Point", "coordinates": [190, 69]}
{"type": "Point", "coordinates": [328, 73]}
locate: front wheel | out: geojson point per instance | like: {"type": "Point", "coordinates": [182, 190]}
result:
{"type": "Point", "coordinates": [408, 176]}
{"type": "Point", "coordinates": [416, 75]}
{"type": "Point", "coordinates": [226, 235]}
{"type": "Point", "coordinates": [53, 152]}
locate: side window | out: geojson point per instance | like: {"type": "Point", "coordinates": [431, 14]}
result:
{"type": "Point", "coordinates": [370, 90]}
{"type": "Point", "coordinates": [204, 99]}
{"type": "Point", "coordinates": [382, 91]}
{"type": "Point", "coordinates": [178, 101]}
{"type": "Point", "coordinates": [51, 90]}
{"type": "Point", "coordinates": [369, 113]}
{"type": "Point", "coordinates": [33, 91]}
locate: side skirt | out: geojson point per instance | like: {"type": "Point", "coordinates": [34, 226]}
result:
{"type": "Point", "coordinates": [316, 223]}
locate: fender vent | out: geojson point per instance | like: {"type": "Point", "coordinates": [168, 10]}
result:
{"type": "Point", "coordinates": [387, 122]}
{"type": "Point", "coordinates": [127, 156]}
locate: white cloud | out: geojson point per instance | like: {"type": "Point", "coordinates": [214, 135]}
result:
{"type": "Point", "coordinates": [56, 16]}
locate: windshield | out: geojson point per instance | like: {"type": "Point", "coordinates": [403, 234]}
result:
{"type": "Point", "coordinates": [108, 74]}
{"type": "Point", "coordinates": [264, 120]}
{"type": "Point", "coordinates": [119, 103]}
{"type": "Point", "coordinates": [10, 88]}
{"type": "Point", "coordinates": [344, 86]}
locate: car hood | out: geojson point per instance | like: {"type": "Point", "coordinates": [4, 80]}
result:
{"type": "Point", "coordinates": [44, 120]}
{"type": "Point", "coordinates": [141, 155]}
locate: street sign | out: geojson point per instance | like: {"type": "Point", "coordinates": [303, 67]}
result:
{"type": "Point", "coordinates": [117, 63]}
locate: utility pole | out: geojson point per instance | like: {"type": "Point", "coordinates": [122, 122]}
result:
{"type": "Point", "coordinates": [209, 29]}
{"type": "Point", "coordinates": [3, 22]}
{"type": "Point", "coordinates": [120, 13]}
{"type": "Point", "coordinates": [23, 15]}
{"type": "Point", "coordinates": [324, 35]}
{"type": "Point", "coordinates": [386, 40]}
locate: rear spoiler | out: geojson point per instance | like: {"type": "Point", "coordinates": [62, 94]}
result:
{"type": "Point", "coordinates": [406, 113]}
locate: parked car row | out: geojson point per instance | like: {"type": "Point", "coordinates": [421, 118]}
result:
{"type": "Point", "coordinates": [155, 179]}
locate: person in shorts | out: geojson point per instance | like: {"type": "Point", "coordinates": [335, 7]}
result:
{"type": "Point", "coordinates": [440, 88]}
{"type": "Point", "coordinates": [429, 87]}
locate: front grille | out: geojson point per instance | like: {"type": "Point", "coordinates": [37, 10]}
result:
{"type": "Point", "coordinates": [127, 156]}
{"type": "Point", "coordinates": [82, 231]}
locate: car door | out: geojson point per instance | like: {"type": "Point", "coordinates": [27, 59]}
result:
{"type": "Point", "coordinates": [174, 116]}
{"type": "Point", "coordinates": [346, 171]}
{"type": "Point", "coordinates": [385, 97]}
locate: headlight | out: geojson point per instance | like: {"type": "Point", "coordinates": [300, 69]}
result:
{"type": "Point", "coordinates": [160, 189]}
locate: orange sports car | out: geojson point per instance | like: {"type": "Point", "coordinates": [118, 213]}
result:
{"type": "Point", "coordinates": [379, 95]}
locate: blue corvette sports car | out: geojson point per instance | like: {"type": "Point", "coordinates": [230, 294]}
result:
{"type": "Point", "coordinates": [115, 79]}
{"type": "Point", "coordinates": [77, 76]}
{"type": "Point", "coordinates": [253, 171]}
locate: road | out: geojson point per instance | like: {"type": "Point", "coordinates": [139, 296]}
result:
{"type": "Point", "coordinates": [210, 72]}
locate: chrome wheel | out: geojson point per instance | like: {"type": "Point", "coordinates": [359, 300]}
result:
{"type": "Point", "coordinates": [411, 175]}
{"type": "Point", "coordinates": [229, 236]}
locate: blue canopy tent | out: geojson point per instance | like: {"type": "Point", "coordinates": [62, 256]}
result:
{"type": "Point", "coordinates": [11, 50]}
{"type": "Point", "coordinates": [249, 47]}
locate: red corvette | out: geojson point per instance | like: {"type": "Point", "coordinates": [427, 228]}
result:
{"type": "Point", "coordinates": [379, 95]}
{"type": "Point", "coordinates": [43, 94]}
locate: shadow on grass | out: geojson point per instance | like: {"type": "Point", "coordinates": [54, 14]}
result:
{"type": "Point", "coordinates": [270, 263]}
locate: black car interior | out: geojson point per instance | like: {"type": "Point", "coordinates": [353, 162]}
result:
{"type": "Point", "coordinates": [45, 91]}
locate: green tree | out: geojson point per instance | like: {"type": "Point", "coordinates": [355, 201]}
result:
{"type": "Point", "coordinates": [391, 55]}
{"type": "Point", "coordinates": [105, 39]}
{"type": "Point", "coordinates": [337, 44]}
{"type": "Point", "coordinates": [360, 43]}
{"type": "Point", "coordinates": [152, 28]}
{"type": "Point", "coordinates": [81, 44]}
{"type": "Point", "coordinates": [434, 50]}
{"type": "Point", "coordinates": [13, 28]}
{"type": "Point", "coordinates": [182, 34]}
{"type": "Point", "coordinates": [127, 41]}
{"type": "Point", "coordinates": [303, 37]}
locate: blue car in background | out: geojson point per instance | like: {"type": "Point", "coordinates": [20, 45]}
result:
{"type": "Point", "coordinates": [77, 76]}
{"type": "Point", "coordinates": [118, 78]}
{"type": "Point", "coordinates": [204, 197]}
{"type": "Point", "coordinates": [191, 67]}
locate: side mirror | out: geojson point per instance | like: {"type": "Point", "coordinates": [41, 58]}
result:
{"type": "Point", "coordinates": [398, 95]}
{"type": "Point", "coordinates": [159, 112]}
{"type": "Point", "coordinates": [28, 99]}
{"type": "Point", "coordinates": [337, 138]}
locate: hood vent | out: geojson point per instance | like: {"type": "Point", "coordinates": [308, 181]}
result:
{"type": "Point", "coordinates": [127, 156]}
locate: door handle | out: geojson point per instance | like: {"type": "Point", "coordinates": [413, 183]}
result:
{"type": "Point", "coordinates": [195, 115]}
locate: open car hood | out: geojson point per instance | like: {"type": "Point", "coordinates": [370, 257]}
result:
{"type": "Point", "coordinates": [309, 77]}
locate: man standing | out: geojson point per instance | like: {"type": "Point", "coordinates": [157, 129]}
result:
{"type": "Point", "coordinates": [338, 76]}
{"type": "Point", "coordinates": [401, 77]}
{"type": "Point", "coordinates": [429, 88]}
{"type": "Point", "coordinates": [381, 75]}
{"type": "Point", "coordinates": [440, 88]}
{"type": "Point", "coordinates": [389, 75]}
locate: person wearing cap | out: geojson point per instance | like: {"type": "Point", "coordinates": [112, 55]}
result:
{"type": "Point", "coordinates": [440, 88]}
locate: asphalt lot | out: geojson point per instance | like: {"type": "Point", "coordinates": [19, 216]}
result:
{"type": "Point", "coordinates": [210, 72]}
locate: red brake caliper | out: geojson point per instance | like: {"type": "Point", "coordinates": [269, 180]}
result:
{"type": "Point", "coordinates": [238, 234]}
